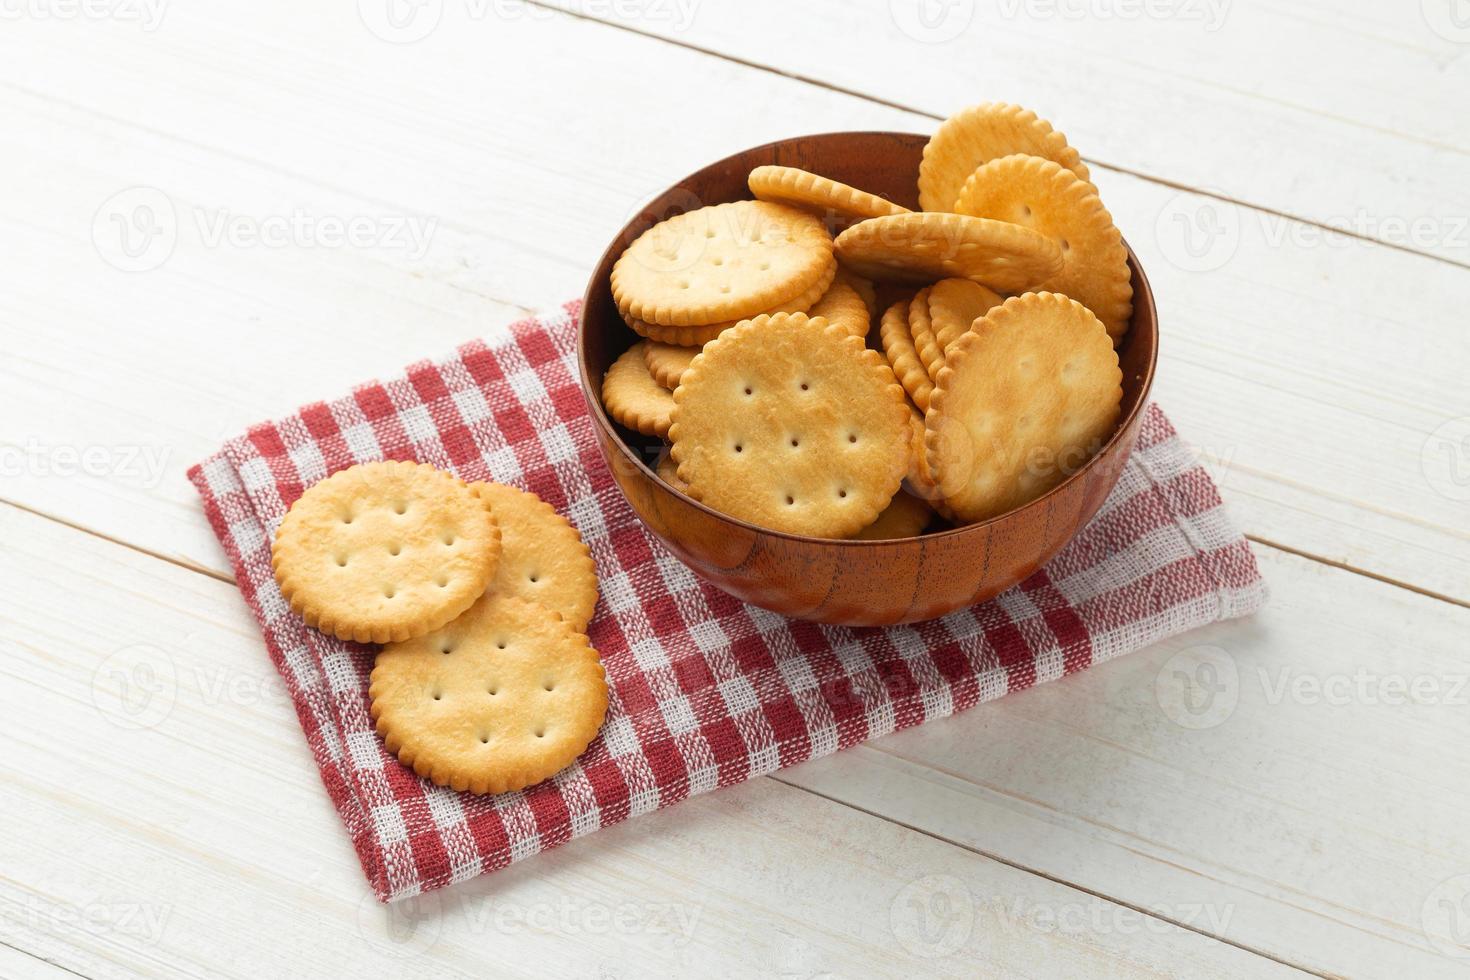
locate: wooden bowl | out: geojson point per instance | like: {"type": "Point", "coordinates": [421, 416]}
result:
{"type": "Point", "coordinates": [855, 583]}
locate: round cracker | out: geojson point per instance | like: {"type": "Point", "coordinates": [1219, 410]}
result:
{"type": "Point", "coordinates": [844, 306]}
{"type": "Point", "coordinates": [864, 289]}
{"type": "Point", "coordinates": [542, 557]}
{"type": "Point", "coordinates": [498, 700]}
{"type": "Point", "coordinates": [1030, 393]}
{"type": "Point", "coordinates": [722, 262]}
{"type": "Point", "coordinates": [818, 194]}
{"type": "Point", "coordinates": [700, 334]}
{"type": "Point", "coordinates": [792, 424]}
{"type": "Point", "coordinates": [922, 247]}
{"type": "Point", "coordinates": [906, 516]}
{"type": "Point", "coordinates": [898, 348]}
{"type": "Point", "coordinates": [921, 329]}
{"type": "Point", "coordinates": [667, 362]}
{"type": "Point", "coordinates": [668, 471]}
{"type": "Point", "coordinates": [385, 551]}
{"type": "Point", "coordinates": [633, 398]}
{"type": "Point", "coordinates": [1039, 194]}
{"type": "Point", "coordinates": [955, 304]}
{"type": "Point", "coordinates": [979, 134]}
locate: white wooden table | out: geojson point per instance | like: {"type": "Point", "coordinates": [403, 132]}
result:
{"type": "Point", "coordinates": [213, 212]}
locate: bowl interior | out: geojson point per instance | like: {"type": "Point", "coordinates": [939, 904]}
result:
{"type": "Point", "coordinates": [879, 162]}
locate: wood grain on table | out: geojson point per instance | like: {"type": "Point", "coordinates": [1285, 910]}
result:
{"type": "Point", "coordinates": [1293, 177]}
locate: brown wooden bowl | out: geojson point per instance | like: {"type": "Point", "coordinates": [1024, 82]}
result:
{"type": "Point", "coordinates": [854, 583]}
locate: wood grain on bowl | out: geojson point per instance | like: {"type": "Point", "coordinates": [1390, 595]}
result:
{"type": "Point", "coordinates": [856, 583]}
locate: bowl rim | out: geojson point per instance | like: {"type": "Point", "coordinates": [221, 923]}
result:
{"type": "Point", "coordinates": [592, 392]}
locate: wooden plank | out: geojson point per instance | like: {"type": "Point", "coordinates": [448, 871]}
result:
{"type": "Point", "coordinates": [1287, 364]}
{"type": "Point", "coordinates": [1348, 115]}
{"type": "Point", "coordinates": [1312, 783]}
{"type": "Point", "coordinates": [171, 824]}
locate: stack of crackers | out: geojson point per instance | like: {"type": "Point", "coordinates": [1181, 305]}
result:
{"type": "Point", "coordinates": [480, 595]}
{"type": "Point", "coordinates": [791, 398]}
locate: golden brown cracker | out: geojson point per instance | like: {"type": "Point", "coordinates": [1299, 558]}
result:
{"type": "Point", "coordinates": [1030, 393]}
{"type": "Point", "coordinates": [844, 306]}
{"type": "Point", "coordinates": [542, 557]}
{"type": "Point", "coordinates": [498, 700]}
{"type": "Point", "coordinates": [921, 247]}
{"type": "Point", "coordinates": [820, 195]}
{"type": "Point", "coordinates": [633, 398]}
{"type": "Point", "coordinates": [667, 362]}
{"type": "Point", "coordinates": [906, 516]}
{"type": "Point", "coordinates": [954, 304]}
{"type": "Point", "coordinates": [979, 134]}
{"type": "Point", "coordinates": [721, 262]}
{"type": "Point", "coordinates": [697, 335]}
{"type": "Point", "coordinates": [1041, 195]}
{"type": "Point", "coordinates": [921, 329]}
{"type": "Point", "coordinates": [898, 348]}
{"type": "Point", "coordinates": [791, 424]}
{"type": "Point", "coordinates": [385, 551]}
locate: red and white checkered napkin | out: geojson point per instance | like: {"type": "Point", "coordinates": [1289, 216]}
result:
{"type": "Point", "coordinates": [706, 691]}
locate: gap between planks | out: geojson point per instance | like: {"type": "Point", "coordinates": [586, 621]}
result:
{"type": "Point", "coordinates": [775, 777]}
{"type": "Point", "coordinates": [989, 856]}
{"type": "Point", "coordinates": [903, 107]}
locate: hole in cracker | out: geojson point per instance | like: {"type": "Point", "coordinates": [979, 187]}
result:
{"type": "Point", "coordinates": [446, 647]}
{"type": "Point", "coordinates": [438, 695]}
{"type": "Point", "coordinates": [747, 390]}
{"type": "Point", "coordinates": [765, 266]}
{"type": "Point", "coordinates": [1066, 245]}
{"type": "Point", "coordinates": [852, 437]}
{"type": "Point", "coordinates": [1025, 210]}
{"type": "Point", "coordinates": [500, 643]}
{"type": "Point", "coordinates": [346, 518]}
{"type": "Point", "coordinates": [484, 738]}
{"type": "Point", "coordinates": [389, 592]}
{"type": "Point", "coordinates": [795, 442]}
{"type": "Point", "coordinates": [718, 261]}
{"type": "Point", "coordinates": [491, 690]}
{"type": "Point", "coordinates": [442, 582]}
{"type": "Point", "coordinates": [549, 685]}
{"type": "Point", "coordinates": [805, 386]}
{"type": "Point", "coordinates": [790, 500]}
{"type": "Point", "coordinates": [401, 507]}
{"type": "Point", "coordinates": [448, 538]}
{"type": "Point", "coordinates": [535, 577]}
{"type": "Point", "coordinates": [724, 289]}
{"type": "Point", "coordinates": [541, 733]}
{"type": "Point", "coordinates": [842, 493]}
{"type": "Point", "coordinates": [341, 561]}
{"type": "Point", "coordinates": [395, 549]}
{"type": "Point", "coordinates": [739, 448]}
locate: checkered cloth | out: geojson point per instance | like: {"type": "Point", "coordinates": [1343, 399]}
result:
{"type": "Point", "coordinates": [705, 691]}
